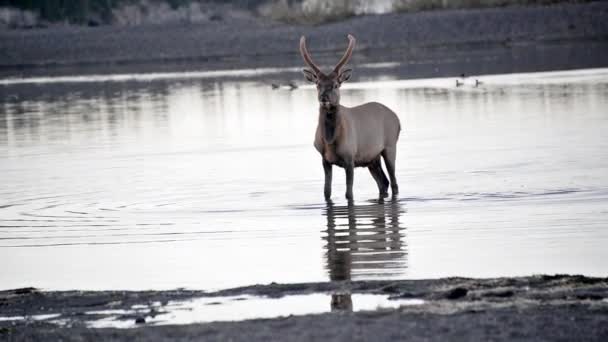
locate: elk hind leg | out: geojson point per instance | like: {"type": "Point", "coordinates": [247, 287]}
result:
{"type": "Point", "coordinates": [375, 168]}
{"type": "Point", "coordinates": [390, 154]}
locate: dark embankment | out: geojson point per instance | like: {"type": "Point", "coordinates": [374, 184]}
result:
{"type": "Point", "coordinates": [560, 36]}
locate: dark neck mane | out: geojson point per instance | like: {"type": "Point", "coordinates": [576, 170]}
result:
{"type": "Point", "coordinates": [329, 122]}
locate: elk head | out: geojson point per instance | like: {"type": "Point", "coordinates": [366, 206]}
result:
{"type": "Point", "coordinates": [328, 85]}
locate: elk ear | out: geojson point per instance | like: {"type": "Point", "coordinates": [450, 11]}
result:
{"type": "Point", "coordinates": [309, 75]}
{"type": "Point", "coordinates": [344, 75]}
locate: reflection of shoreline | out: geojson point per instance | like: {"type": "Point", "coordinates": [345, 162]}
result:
{"type": "Point", "coordinates": [365, 241]}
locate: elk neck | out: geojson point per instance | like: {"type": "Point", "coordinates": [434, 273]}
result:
{"type": "Point", "coordinates": [329, 120]}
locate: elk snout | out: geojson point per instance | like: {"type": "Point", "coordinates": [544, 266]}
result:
{"type": "Point", "coordinates": [328, 98]}
{"type": "Point", "coordinates": [324, 99]}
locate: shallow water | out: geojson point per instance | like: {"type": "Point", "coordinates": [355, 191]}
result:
{"type": "Point", "coordinates": [225, 309]}
{"type": "Point", "coordinates": [157, 183]}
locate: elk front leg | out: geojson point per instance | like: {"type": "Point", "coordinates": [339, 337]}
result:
{"type": "Point", "coordinates": [350, 174]}
{"type": "Point", "coordinates": [327, 170]}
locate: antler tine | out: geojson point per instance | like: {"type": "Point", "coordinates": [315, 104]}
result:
{"type": "Point", "coordinates": [307, 57]}
{"type": "Point", "coordinates": [347, 54]}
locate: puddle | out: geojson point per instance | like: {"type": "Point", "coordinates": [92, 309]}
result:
{"type": "Point", "coordinates": [238, 308]}
{"type": "Point", "coordinates": [31, 318]}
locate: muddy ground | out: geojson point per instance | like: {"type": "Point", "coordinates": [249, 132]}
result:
{"type": "Point", "coordinates": [538, 308]}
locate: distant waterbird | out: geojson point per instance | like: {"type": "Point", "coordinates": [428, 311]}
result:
{"type": "Point", "coordinates": [351, 137]}
{"type": "Point", "coordinates": [291, 86]}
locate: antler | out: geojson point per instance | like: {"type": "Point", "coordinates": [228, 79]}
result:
{"type": "Point", "coordinates": [347, 54]}
{"type": "Point", "coordinates": [306, 56]}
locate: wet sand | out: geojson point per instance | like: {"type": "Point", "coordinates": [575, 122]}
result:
{"type": "Point", "coordinates": [539, 308]}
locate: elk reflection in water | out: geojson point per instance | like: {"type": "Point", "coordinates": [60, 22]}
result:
{"type": "Point", "coordinates": [363, 240]}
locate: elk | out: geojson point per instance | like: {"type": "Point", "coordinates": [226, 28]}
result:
{"type": "Point", "coordinates": [352, 137]}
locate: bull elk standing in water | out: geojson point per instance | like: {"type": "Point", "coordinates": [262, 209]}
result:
{"type": "Point", "coordinates": [352, 137]}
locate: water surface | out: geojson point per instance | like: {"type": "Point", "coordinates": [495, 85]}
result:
{"type": "Point", "coordinates": [185, 181]}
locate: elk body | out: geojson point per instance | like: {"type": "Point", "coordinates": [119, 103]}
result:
{"type": "Point", "coordinates": [352, 137]}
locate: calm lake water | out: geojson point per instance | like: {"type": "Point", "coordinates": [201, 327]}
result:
{"type": "Point", "coordinates": [187, 180]}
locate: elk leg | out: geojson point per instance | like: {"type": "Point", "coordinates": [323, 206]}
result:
{"type": "Point", "coordinates": [375, 168]}
{"type": "Point", "coordinates": [389, 154]}
{"type": "Point", "coordinates": [327, 170]}
{"type": "Point", "coordinates": [350, 174]}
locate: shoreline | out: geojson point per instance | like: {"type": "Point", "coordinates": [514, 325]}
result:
{"type": "Point", "coordinates": [577, 34]}
{"type": "Point", "coordinates": [484, 60]}
{"type": "Point", "coordinates": [540, 307]}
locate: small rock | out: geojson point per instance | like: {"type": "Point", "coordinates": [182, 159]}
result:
{"type": "Point", "coordinates": [25, 290]}
{"type": "Point", "coordinates": [114, 303]}
{"type": "Point", "coordinates": [456, 293]}
{"type": "Point", "coordinates": [589, 296]}
{"type": "Point", "coordinates": [390, 289]}
{"type": "Point", "coordinates": [140, 320]}
{"type": "Point", "coordinates": [499, 293]}
{"type": "Point", "coordinates": [403, 295]}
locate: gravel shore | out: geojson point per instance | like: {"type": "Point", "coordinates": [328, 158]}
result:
{"type": "Point", "coordinates": [250, 42]}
